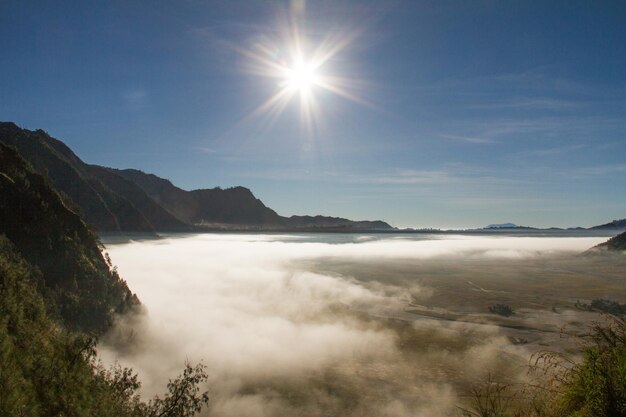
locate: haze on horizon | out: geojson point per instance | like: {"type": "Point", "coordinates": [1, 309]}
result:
{"type": "Point", "coordinates": [419, 113]}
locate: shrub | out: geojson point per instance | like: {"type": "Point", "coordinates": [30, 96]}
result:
{"type": "Point", "coordinates": [501, 309]}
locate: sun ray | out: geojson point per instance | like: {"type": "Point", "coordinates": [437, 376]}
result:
{"type": "Point", "coordinates": [304, 71]}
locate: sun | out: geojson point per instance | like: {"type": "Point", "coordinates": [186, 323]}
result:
{"type": "Point", "coordinates": [301, 77]}
{"type": "Point", "coordinates": [302, 68]}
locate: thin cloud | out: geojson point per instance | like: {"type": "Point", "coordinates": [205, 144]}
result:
{"type": "Point", "coordinates": [471, 139]}
{"type": "Point", "coordinates": [556, 150]}
{"type": "Point", "coordinates": [602, 170]}
{"type": "Point", "coordinates": [204, 149]}
{"type": "Point", "coordinates": [410, 176]}
{"type": "Point", "coordinates": [528, 103]}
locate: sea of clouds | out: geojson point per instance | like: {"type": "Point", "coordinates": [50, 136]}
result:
{"type": "Point", "coordinates": [281, 340]}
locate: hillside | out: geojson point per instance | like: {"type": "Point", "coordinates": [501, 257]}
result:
{"type": "Point", "coordinates": [107, 201]}
{"type": "Point", "coordinates": [175, 200]}
{"type": "Point", "coordinates": [57, 291]}
{"type": "Point", "coordinates": [616, 243]}
{"type": "Point", "coordinates": [80, 289]}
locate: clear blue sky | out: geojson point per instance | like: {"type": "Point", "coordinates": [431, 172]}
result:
{"type": "Point", "coordinates": [469, 113]}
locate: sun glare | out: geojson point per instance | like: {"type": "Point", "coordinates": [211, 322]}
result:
{"type": "Point", "coordinates": [301, 77]}
{"type": "Point", "coordinates": [303, 69]}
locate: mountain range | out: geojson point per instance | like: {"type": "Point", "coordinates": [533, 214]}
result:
{"type": "Point", "coordinates": [129, 200]}
{"type": "Point", "coordinates": [614, 225]}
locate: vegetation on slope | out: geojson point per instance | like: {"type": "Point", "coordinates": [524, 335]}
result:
{"type": "Point", "coordinates": [80, 288]}
{"type": "Point", "coordinates": [594, 386]}
{"type": "Point", "coordinates": [56, 289]}
{"type": "Point", "coordinates": [616, 243]}
{"type": "Point", "coordinates": [46, 370]}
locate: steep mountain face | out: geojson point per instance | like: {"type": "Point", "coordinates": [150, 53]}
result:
{"type": "Point", "coordinates": [80, 289]}
{"type": "Point", "coordinates": [614, 225]}
{"type": "Point", "coordinates": [107, 201]}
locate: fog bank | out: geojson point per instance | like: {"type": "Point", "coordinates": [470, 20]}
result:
{"type": "Point", "coordinates": [281, 340]}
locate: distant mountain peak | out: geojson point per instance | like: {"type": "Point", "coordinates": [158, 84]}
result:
{"type": "Point", "coordinates": [501, 226]}
{"type": "Point", "coordinates": [614, 225]}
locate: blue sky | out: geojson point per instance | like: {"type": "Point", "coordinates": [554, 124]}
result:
{"type": "Point", "coordinates": [469, 113]}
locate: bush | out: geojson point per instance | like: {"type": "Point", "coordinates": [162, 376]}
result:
{"type": "Point", "coordinates": [501, 309]}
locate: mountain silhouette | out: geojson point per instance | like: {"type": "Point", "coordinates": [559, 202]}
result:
{"type": "Point", "coordinates": [129, 200]}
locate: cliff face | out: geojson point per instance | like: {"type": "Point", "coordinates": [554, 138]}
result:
{"type": "Point", "coordinates": [80, 289]}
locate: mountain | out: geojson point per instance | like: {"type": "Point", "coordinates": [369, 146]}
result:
{"type": "Point", "coordinates": [107, 201]}
{"type": "Point", "coordinates": [216, 206]}
{"type": "Point", "coordinates": [130, 200]}
{"type": "Point", "coordinates": [76, 282]}
{"type": "Point", "coordinates": [334, 223]}
{"type": "Point", "coordinates": [502, 226]}
{"type": "Point", "coordinates": [616, 243]}
{"type": "Point", "coordinates": [235, 207]}
{"type": "Point", "coordinates": [175, 200]}
{"type": "Point", "coordinates": [614, 225]}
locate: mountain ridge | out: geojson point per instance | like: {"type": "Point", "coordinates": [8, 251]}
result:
{"type": "Point", "coordinates": [129, 200]}
{"type": "Point", "coordinates": [106, 202]}
{"type": "Point", "coordinates": [198, 207]}
{"type": "Point", "coordinates": [613, 225]}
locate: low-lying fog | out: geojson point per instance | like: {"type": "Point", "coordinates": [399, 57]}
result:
{"type": "Point", "coordinates": [315, 325]}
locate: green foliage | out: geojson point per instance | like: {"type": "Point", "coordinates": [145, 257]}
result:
{"type": "Point", "coordinates": [55, 289]}
{"type": "Point", "coordinates": [597, 386]}
{"type": "Point", "coordinates": [184, 398]}
{"type": "Point", "coordinates": [46, 370]}
{"type": "Point", "coordinates": [592, 387]}
{"type": "Point", "coordinates": [607, 306]}
{"type": "Point", "coordinates": [79, 288]}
